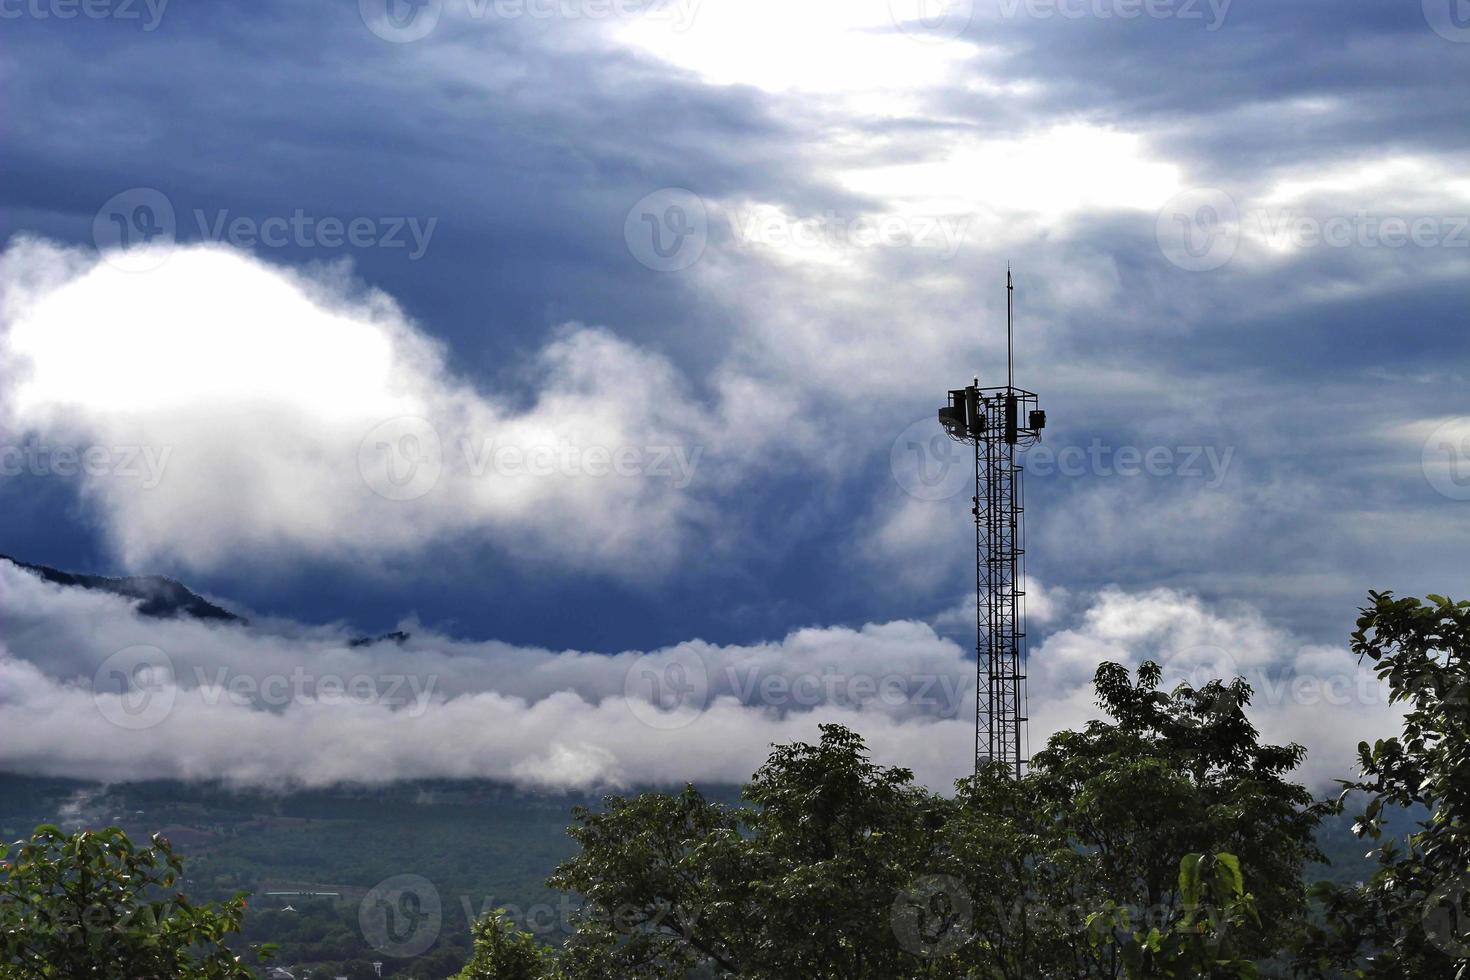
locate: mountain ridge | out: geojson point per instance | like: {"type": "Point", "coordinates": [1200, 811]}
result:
{"type": "Point", "coordinates": [159, 597]}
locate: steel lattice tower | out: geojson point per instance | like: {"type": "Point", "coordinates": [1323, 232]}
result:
{"type": "Point", "coordinates": [997, 422]}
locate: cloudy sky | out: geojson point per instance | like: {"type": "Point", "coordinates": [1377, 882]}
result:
{"type": "Point", "coordinates": [566, 331]}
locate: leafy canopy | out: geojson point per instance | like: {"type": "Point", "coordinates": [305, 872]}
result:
{"type": "Point", "coordinates": [93, 905]}
{"type": "Point", "coordinates": [1410, 919]}
{"type": "Point", "coordinates": [1113, 857]}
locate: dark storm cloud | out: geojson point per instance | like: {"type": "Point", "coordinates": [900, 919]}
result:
{"type": "Point", "coordinates": [529, 141]}
{"type": "Point", "coordinates": [528, 151]}
{"type": "Point", "coordinates": [1233, 71]}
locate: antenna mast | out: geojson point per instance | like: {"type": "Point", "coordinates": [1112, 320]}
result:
{"type": "Point", "coordinates": [997, 422]}
{"type": "Point", "coordinates": [1010, 329]}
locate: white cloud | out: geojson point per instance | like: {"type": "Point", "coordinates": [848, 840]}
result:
{"type": "Point", "coordinates": [290, 704]}
{"type": "Point", "coordinates": [1311, 694]}
{"type": "Point", "coordinates": [1044, 605]}
{"type": "Point", "coordinates": [294, 414]}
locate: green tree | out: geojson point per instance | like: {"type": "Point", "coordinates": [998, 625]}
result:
{"type": "Point", "coordinates": [1200, 943]}
{"type": "Point", "coordinates": [1410, 919]}
{"type": "Point", "coordinates": [797, 883]}
{"type": "Point", "coordinates": [503, 952]}
{"type": "Point", "coordinates": [838, 867]}
{"type": "Point", "coordinates": [94, 905]}
{"type": "Point", "coordinates": [1104, 817]}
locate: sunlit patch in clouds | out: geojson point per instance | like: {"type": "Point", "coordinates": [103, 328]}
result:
{"type": "Point", "coordinates": [1388, 210]}
{"type": "Point", "coordinates": [1055, 173]}
{"type": "Point", "coordinates": [863, 61]}
{"type": "Point", "coordinates": [150, 341]}
{"type": "Point", "coordinates": [838, 48]}
{"type": "Point", "coordinates": [1399, 182]}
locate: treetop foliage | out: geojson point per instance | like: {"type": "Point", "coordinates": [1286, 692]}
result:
{"type": "Point", "coordinates": [94, 905]}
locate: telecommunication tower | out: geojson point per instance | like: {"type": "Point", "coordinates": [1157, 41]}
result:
{"type": "Point", "coordinates": [999, 422]}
